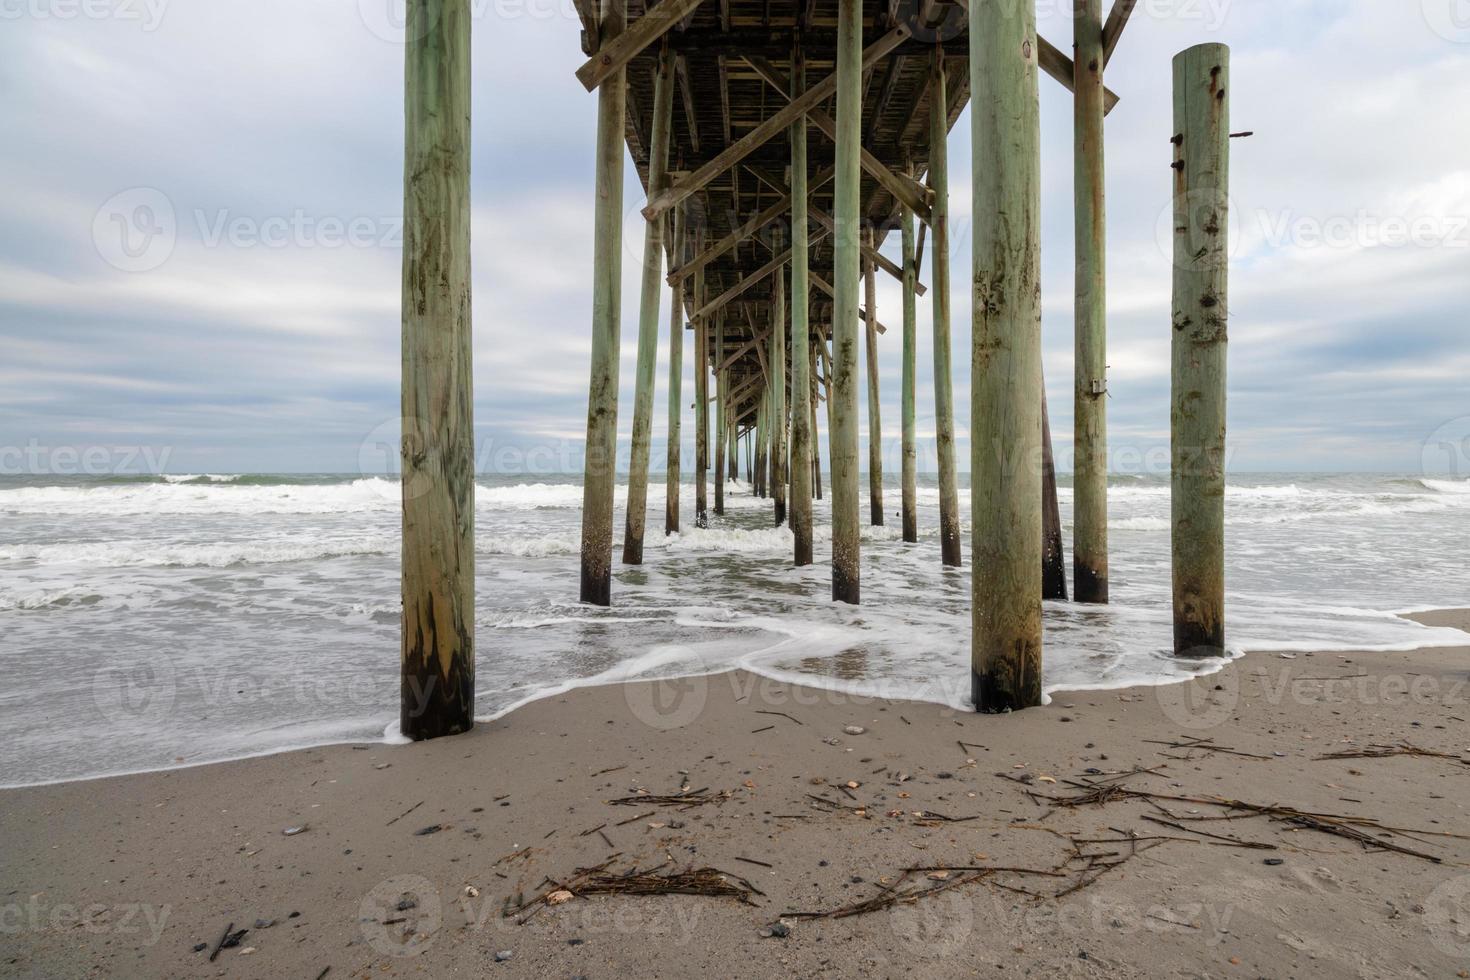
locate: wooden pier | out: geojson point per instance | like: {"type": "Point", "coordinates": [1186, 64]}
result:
{"type": "Point", "coordinates": [779, 145]}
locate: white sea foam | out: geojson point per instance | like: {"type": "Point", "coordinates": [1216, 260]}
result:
{"type": "Point", "coordinates": [233, 583]}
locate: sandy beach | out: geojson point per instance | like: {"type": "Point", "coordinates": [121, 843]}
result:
{"type": "Point", "coordinates": [376, 860]}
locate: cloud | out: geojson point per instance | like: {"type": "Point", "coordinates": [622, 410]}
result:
{"type": "Point", "coordinates": [258, 343]}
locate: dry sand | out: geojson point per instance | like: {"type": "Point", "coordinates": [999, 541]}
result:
{"type": "Point", "coordinates": [126, 876]}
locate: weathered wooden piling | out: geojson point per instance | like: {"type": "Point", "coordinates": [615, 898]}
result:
{"type": "Point", "coordinates": [721, 406]}
{"type": "Point", "coordinates": [1005, 454]}
{"type": "Point", "coordinates": [846, 586]}
{"type": "Point", "coordinates": [815, 449]}
{"type": "Point", "coordinates": [1090, 476]}
{"type": "Point", "coordinates": [607, 265]}
{"type": "Point", "coordinates": [1200, 320]}
{"type": "Point", "coordinates": [803, 418]}
{"type": "Point", "coordinates": [651, 287]}
{"type": "Point", "coordinates": [910, 376]}
{"type": "Point", "coordinates": [949, 498]}
{"type": "Point", "coordinates": [778, 396]}
{"type": "Point", "coordinates": [875, 412]}
{"type": "Point", "coordinates": [676, 385]}
{"type": "Point", "coordinates": [1053, 561]}
{"type": "Point", "coordinates": [438, 450]}
{"type": "Point", "coordinates": [701, 406]}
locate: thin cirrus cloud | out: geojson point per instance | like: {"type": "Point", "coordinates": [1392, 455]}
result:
{"type": "Point", "coordinates": [267, 339]}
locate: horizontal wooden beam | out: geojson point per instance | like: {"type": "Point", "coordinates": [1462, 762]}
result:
{"type": "Point", "coordinates": [1059, 66]}
{"type": "Point", "coordinates": [1113, 29]}
{"type": "Point", "coordinates": [658, 21]}
{"type": "Point", "coordinates": [825, 220]}
{"type": "Point", "coordinates": [772, 127]}
{"type": "Point", "coordinates": [739, 352]}
{"type": "Point", "coordinates": [749, 281]}
{"type": "Point", "coordinates": [907, 192]}
{"type": "Point", "coordinates": [746, 231]}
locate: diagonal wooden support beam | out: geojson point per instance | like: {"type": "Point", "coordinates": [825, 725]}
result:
{"type": "Point", "coordinates": [749, 281]}
{"type": "Point", "coordinates": [739, 352]}
{"type": "Point", "coordinates": [908, 192]}
{"type": "Point", "coordinates": [825, 220]}
{"type": "Point", "coordinates": [766, 131]}
{"type": "Point", "coordinates": [744, 232]}
{"type": "Point", "coordinates": [658, 21]}
{"type": "Point", "coordinates": [826, 287]}
{"type": "Point", "coordinates": [1113, 29]}
{"type": "Point", "coordinates": [1059, 66]}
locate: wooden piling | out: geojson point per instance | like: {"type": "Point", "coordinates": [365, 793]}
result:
{"type": "Point", "coordinates": [1200, 315]}
{"type": "Point", "coordinates": [676, 385]}
{"type": "Point", "coordinates": [875, 413]}
{"type": "Point", "coordinates": [778, 397]}
{"type": "Point", "coordinates": [803, 421]}
{"type": "Point", "coordinates": [1005, 455]}
{"type": "Point", "coordinates": [721, 406]}
{"type": "Point", "coordinates": [651, 286]}
{"type": "Point", "coordinates": [815, 453]}
{"type": "Point", "coordinates": [846, 215]}
{"type": "Point", "coordinates": [438, 451]}
{"type": "Point", "coordinates": [949, 497]}
{"type": "Point", "coordinates": [910, 366]}
{"type": "Point", "coordinates": [701, 406]}
{"type": "Point", "coordinates": [1090, 477]}
{"type": "Point", "coordinates": [607, 269]}
{"type": "Point", "coordinates": [1053, 560]}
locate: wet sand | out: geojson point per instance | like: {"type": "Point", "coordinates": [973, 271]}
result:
{"type": "Point", "coordinates": [409, 853]}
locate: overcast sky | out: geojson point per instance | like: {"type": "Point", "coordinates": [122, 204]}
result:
{"type": "Point", "coordinates": [263, 138]}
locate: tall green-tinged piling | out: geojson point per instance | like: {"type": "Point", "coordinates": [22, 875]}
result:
{"type": "Point", "coordinates": [802, 355]}
{"type": "Point", "coordinates": [720, 409]}
{"type": "Point", "coordinates": [762, 467]}
{"type": "Point", "coordinates": [438, 447]}
{"type": "Point", "coordinates": [607, 276]}
{"type": "Point", "coordinates": [1053, 560]}
{"type": "Point", "coordinates": [949, 496]}
{"type": "Point", "coordinates": [1090, 478]}
{"type": "Point", "coordinates": [875, 413]}
{"type": "Point", "coordinates": [1197, 411]}
{"type": "Point", "coordinates": [846, 546]}
{"type": "Point", "coordinates": [701, 406]}
{"type": "Point", "coordinates": [815, 448]}
{"type": "Point", "coordinates": [910, 370]}
{"type": "Point", "coordinates": [1005, 455]}
{"type": "Point", "coordinates": [676, 384]}
{"type": "Point", "coordinates": [778, 396]}
{"type": "Point", "coordinates": [651, 286]}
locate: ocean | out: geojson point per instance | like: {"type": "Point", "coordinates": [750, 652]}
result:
{"type": "Point", "coordinates": [160, 621]}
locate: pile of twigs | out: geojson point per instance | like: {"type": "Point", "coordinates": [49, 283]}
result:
{"type": "Point", "coordinates": [1385, 751]}
{"type": "Point", "coordinates": [684, 801]}
{"type": "Point", "coordinates": [1353, 828]}
{"type": "Point", "coordinates": [587, 882]}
